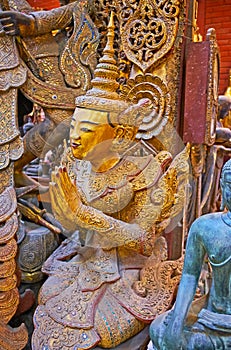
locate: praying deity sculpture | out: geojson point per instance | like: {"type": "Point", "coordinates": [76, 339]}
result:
{"type": "Point", "coordinates": [111, 277]}
{"type": "Point", "coordinates": [210, 235]}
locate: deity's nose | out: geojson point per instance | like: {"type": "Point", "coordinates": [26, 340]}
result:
{"type": "Point", "coordinates": [74, 135]}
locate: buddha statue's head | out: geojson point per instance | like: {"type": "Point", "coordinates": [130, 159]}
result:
{"type": "Point", "coordinates": [103, 124]}
{"type": "Point", "coordinates": [226, 185]}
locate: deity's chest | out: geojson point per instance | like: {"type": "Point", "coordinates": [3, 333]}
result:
{"type": "Point", "coordinates": [108, 192]}
{"type": "Point", "coordinates": [110, 199]}
{"type": "Point", "coordinates": [113, 190]}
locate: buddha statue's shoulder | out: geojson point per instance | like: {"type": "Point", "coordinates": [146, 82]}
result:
{"type": "Point", "coordinates": [205, 219]}
{"type": "Point", "coordinates": [209, 225]}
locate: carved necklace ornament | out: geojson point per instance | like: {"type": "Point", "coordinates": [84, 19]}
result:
{"type": "Point", "coordinates": [219, 264]}
{"type": "Point", "coordinates": [112, 191]}
{"type": "Point", "coordinates": [148, 30]}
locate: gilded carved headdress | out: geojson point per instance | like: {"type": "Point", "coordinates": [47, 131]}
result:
{"type": "Point", "coordinates": [103, 95]}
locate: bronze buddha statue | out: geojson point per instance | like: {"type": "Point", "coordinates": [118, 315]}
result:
{"type": "Point", "coordinates": [210, 326]}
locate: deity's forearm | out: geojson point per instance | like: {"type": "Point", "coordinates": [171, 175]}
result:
{"type": "Point", "coordinates": [112, 232]}
{"type": "Point", "coordinates": [58, 18]}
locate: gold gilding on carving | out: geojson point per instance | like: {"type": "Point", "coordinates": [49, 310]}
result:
{"type": "Point", "coordinates": [212, 88]}
{"type": "Point", "coordinates": [8, 229]}
{"type": "Point", "coordinates": [153, 88]}
{"type": "Point", "coordinates": [13, 338]}
{"type": "Point", "coordinates": [12, 76]}
{"type": "Point", "coordinates": [103, 95]}
{"type": "Point", "coordinates": [65, 71]}
{"type": "Point", "coordinates": [8, 203]}
{"type": "Point", "coordinates": [8, 304]}
{"type": "Point", "coordinates": [7, 268]}
{"type": "Point", "coordinates": [148, 30]}
{"type": "Point", "coordinates": [9, 296]}
{"type": "Point", "coordinates": [120, 274]}
{"type": "Point", "coordinates": [8, 124]}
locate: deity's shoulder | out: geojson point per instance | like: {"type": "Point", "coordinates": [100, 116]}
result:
{"type": "Point", "coordinates": [151, 169]}
{"type": "Point", "coordinates": [112, 190]}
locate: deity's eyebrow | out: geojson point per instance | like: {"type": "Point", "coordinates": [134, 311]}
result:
{"type": "Point", "coordinates": [88, 122]}
{"type": "Point", "coordinates": [85, 121]}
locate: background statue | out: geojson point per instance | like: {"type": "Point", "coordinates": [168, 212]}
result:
{"type": "Point", "coordinates": [215, 158]}
{"type": "Point", "coordinates": [223, 130]}
{"type": "Point", "coordinates": [58, 68]}
{"type": "Point", "coordinates": [111, 278]}
{"type": "Point", "coordinates": [209, 236]}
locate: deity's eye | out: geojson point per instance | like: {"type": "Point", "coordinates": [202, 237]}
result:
{"type": "Point", "coordinates": [85, 130]}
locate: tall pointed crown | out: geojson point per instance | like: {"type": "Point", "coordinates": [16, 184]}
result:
{"type": "Point", "coordinates": [103, 95]}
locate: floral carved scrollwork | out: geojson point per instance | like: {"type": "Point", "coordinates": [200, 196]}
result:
{"type": "Point", "coordinates": [170, 8]}
{"type": "Point", "coordinates": [151, 34]}
{"type": "Point", "coordinates": [155, 89]}
{"type": "Point", "coordinates": [148, 30]}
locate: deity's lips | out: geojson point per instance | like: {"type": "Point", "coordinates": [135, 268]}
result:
{"type": "Point", "coordinates": [75, 145]}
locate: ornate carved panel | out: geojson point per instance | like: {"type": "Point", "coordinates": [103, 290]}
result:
{"type": "Point", "coordinates": [201, 93]}
{"type": "Point", "coordinates": [148, 29]}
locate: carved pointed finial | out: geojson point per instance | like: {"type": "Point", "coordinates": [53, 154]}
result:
{"type": "Point", "coordinates": [108, 52]}
{"type": "Point", "coordinates": [106, 72]}
{"type": "Point", "coordinates": [103, 94]}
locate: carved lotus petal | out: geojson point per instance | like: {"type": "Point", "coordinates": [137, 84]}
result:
{"type": "Point", "coordinates": [8, 203]}
{"type": "Point", "coordinates": [8, 250]}
{"type": "Point", "coordinates": [8, 230]}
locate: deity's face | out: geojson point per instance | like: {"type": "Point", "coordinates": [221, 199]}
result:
{"type": "Point", "coordinates": [226, 189]}
{"type": "Point", "coordinates": [90, 133]}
